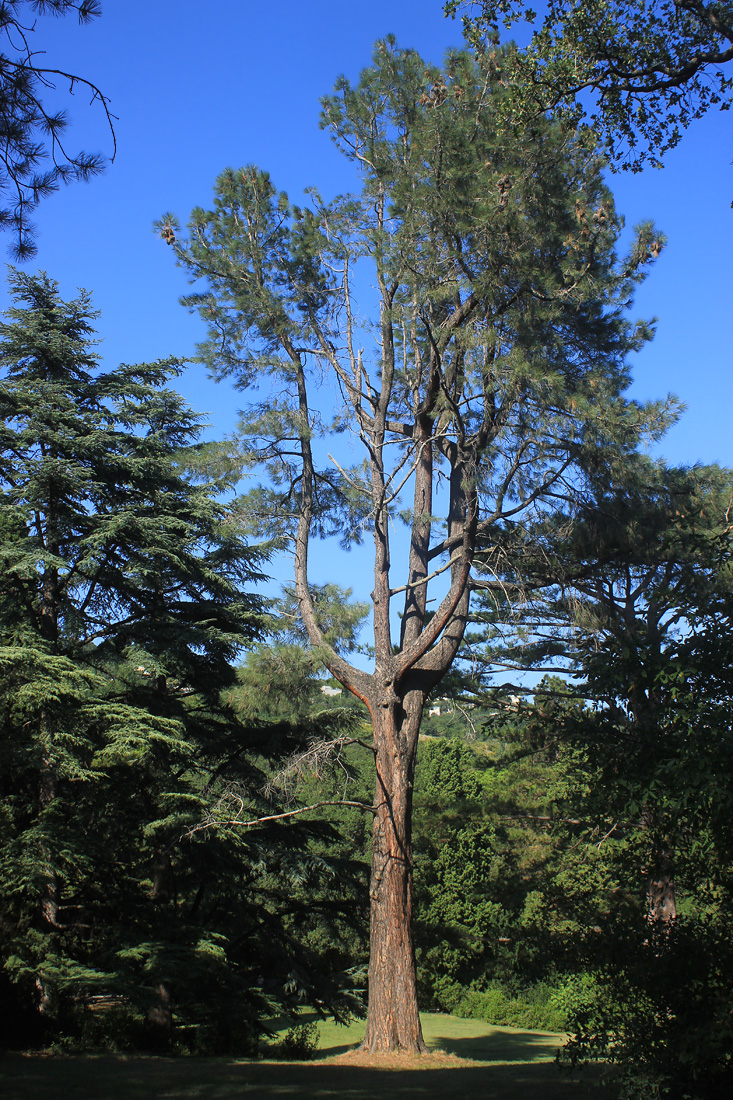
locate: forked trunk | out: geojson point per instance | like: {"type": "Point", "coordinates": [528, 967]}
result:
{"type": "Point", "coordinates": [393, 1021]}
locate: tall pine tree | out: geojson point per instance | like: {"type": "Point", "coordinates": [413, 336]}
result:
{"type": "Point", "coordinates": [493, 366]}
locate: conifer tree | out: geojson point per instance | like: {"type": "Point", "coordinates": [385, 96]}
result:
{"type": "Point", "coordinates": [35, 161]}
{"type": "Point", "coordinates": [481, 374]}
{"type": "Point", "coordinates": [122, 607]}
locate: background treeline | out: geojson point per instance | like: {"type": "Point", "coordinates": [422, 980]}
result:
{"type": "Point", "coordinates": [159, 886]}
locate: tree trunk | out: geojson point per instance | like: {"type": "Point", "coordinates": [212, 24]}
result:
{"type": "Point", "coordinates": [49, 900]}
{"type": "Point", "coordinates": [160, 1017]}
{"type": "Point", "coordinates": [660, 892]}
{"type": "Point", "coordinates": [662, 907]}
{"type": "Point", "coordinates": [50, 888]}
{"type": "Point", "coordinates": [393, 1021]}
{"type": "Point", "coordinates": [49, 630]}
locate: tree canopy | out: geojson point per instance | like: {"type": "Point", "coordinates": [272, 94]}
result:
{"type": "Point", "coordinates": [639, 70]}
{"type": "Point", "coordinates": [125, 598]}
{"type": "Point", "coordinates": [628, 593]}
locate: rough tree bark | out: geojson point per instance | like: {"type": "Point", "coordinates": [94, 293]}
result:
{"type": "Point", "coordinates": [393, 1020]}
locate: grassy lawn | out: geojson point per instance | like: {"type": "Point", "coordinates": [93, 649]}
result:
{"type": "Point", "coordinates": [502, 1064]}
{"type": "Point", "coordinates": [465, 1038]}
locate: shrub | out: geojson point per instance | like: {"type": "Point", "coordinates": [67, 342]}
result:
{"type": "Point", "coordinates": [537, 1007]}
{"type": "Point", "coordinates": [299, 1044]}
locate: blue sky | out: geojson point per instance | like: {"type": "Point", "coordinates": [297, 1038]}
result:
{"type": "Point", "coordinates": [197, 88]}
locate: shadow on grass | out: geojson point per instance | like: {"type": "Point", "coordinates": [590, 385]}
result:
{"type": "Point", "coordinates": [138, 1078]}
{"type": "Point", "coordinates": [472, 1039]}
{"type": "Point", "coordinates": [500, 1047]}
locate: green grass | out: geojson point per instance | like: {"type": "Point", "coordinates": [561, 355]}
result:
{"type": "Point", "coordinates": [507, 1064]}
{"type": "Point", "coordinates": [465, 1038]}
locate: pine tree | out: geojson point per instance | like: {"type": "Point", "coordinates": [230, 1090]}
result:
{"type": "Point", "coordinates": [499, 368]}
{"type": "Point", "coordinates": [35, 162]}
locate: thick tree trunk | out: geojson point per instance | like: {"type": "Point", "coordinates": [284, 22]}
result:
{"type": "Point", "coordinates": [393, 1021]}
{"type": "Point", "coordinates": [160, 1016]}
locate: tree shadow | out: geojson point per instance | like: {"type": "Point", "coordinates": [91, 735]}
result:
{"type": "Point", "coordinates": [136, 1078]}
{"type": "Point", "coordinates": [500, 1046]}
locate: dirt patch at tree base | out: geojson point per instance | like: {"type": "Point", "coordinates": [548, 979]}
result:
{"type": "Point", "coordinates": [398, 1059]}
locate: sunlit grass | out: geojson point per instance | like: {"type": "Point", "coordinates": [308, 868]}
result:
{"type": "Point", "coordinates": [471, 1039]}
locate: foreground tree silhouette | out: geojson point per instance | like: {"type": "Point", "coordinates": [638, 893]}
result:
{"type": "Point", "coordinates": [34, 160]}
{"type": "Point", "coordinates": [492, 373]}
{"type": "Point", "coordinates": [630, 594]}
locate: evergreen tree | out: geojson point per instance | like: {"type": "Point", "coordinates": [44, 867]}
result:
{"type": "Point", "coordinates": [657, 660]}
{"type": "Point", "coordinates": [123, 605]}
{"type": "Point", "coordinates": [500, 363]}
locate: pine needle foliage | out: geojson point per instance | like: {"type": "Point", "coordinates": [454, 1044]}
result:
{"type": "Point", "coordinates": [34, 159]}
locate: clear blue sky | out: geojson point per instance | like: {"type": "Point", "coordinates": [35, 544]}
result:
{"type": "Point", "coordinates": [199, 87]}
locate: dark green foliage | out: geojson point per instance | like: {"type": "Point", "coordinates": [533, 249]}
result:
{"type": "Point", "coordinates": [531, 908]}
{"type": "Point", "coordinates": [487, 850]}
{"type": "Point", "coordinates": [632, 593]}
{"type": "Point", "coordinates": [659, 1007]}
{"type": "Point", "coordinates": [662, 1009]}
{"type": "Point", "coordinates": [122, 607]}
{"type": "Point", "coordinates": [655, 624]}
{"type": "Point", "coordinates": [537, 1007]}
{"type": "Point", "coordinates": [326, 767]}
{"type": "Point", "coordinates": [299, 1044]}
{"type": "Point", "coordinates": [446, 772]}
